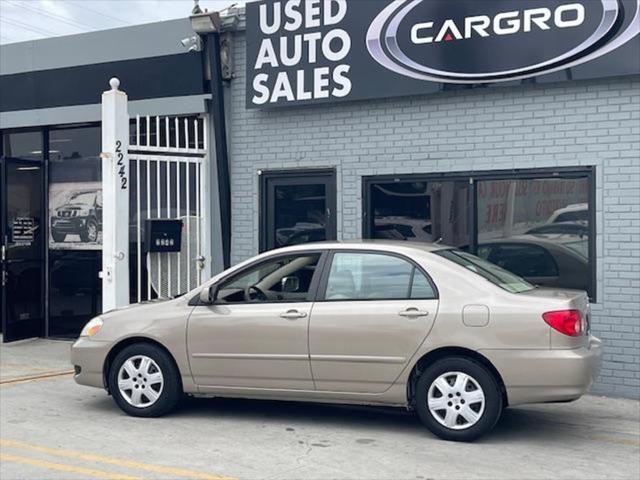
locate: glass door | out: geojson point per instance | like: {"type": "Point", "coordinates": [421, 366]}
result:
{"type": "Point", "coordinates": [297, 207]}
{"type": "Point", "coordinates": [23, 237]}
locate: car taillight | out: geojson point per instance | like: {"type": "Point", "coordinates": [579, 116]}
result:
{"type": "Point", "coordinates": [568, 322]}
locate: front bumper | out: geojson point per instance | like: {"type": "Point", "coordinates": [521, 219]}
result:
{"type": "Point", "coordinates": [554, 375]}
{"type": "Point", "coordinates": [88, 358]}
{"type": "Point", "coordinates": [68, 224]}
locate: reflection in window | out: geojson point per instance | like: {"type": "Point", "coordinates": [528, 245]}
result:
{"type": "Point", "coordinates": [24, 145]}
{"type": "Point", "coordinates": [421, 211]}
{"type": "Point", "coordinates": [300, 214]}
{"type": "Point", "coordinates": [537, 228]}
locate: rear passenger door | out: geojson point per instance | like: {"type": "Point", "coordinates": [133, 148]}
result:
{"type": "Point", "coordinates": [373, 311]}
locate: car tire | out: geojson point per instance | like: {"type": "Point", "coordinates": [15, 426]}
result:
{"type": "Point", "coordinates": [85, 236]}
{"type": "Point", "coordinates": [58, 237]}
{"type": "Point", "coordinates": [145, 381]}
{"type": "Point", "coordinates": [458, 399]}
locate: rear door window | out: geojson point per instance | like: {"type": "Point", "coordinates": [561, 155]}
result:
{"type": "Point", "coordinates": [373, 276]}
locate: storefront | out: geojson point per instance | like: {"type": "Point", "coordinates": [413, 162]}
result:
{"type": "Point", "coordinates": [339, 126]}
{"type": "Point", "coordinates": [51, 189]}
{"type": "Point", "coordinates": [391, 120]}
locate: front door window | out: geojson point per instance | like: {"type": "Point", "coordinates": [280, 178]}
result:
{"type": "Point", "coordinates": [285, 279]}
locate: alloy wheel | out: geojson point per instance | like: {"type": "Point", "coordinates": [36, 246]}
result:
{"type": "Point", "coordinates": [456, 400]}
{"type": "Point", "coordinates": [140, 381]}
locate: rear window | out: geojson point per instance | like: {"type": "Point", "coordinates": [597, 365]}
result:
{"type": "Point", "coordinates": [496, 275]}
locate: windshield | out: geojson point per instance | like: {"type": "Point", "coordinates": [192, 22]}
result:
{"type": "Point", "coordinates": [496, 275]}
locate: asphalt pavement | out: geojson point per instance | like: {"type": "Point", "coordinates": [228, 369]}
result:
{"type": "Point", "coordinates": [51, 428]}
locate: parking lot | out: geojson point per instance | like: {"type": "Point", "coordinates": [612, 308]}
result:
{"type": "Point", "coordinates": [51, 428]}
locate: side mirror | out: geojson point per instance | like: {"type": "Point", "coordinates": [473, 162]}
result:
{"type": "Point", "coordinates": [290, 284]}
{"type": "Point", "coordinates": [208, 296]}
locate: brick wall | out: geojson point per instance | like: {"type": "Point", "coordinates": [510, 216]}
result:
{"type": "Point", "coordinates": [568, 124]}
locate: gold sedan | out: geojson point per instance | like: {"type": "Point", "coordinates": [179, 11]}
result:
{"type": "Point", "coordinates": [425, 327]}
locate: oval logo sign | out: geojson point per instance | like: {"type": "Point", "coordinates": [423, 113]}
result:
{"type": "Point", "coordinates": [471, 41]}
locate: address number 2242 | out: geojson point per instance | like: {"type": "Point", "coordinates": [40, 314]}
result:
{"type": "Point", "coordinates": [120, 166]}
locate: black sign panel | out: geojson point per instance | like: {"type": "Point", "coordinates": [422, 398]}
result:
{"type": "Point", "coordinates": [163, 235]}
{"type": "Point", "coordinates": [312, 51]}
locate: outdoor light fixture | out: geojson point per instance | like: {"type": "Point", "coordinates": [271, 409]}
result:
{"type": "Point", "coordinates": [204, 22]}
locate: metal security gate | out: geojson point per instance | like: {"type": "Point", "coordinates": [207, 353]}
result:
{"type": "Point", "coordinates": [168, 164]}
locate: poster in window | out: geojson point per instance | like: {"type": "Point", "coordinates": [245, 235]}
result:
{"type": "Point", "coordinates": [75, 216]}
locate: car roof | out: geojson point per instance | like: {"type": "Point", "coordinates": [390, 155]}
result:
{"type": "Point", "coordinates": [386, 245]}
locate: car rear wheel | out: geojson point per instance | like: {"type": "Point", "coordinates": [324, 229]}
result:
{"type": "Point", "coordinates": [144, 381]}
{"type": "Point", "coordinates": [458, 399]}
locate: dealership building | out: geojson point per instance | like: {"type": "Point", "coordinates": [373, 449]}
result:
{"type": "Point", "coordinates": [342, 120]}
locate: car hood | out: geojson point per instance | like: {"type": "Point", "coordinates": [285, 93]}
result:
{"type": "Point", "coordinates": [136, 308]}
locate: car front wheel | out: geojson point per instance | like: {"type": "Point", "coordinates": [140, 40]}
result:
{"type": "Point", "coordinates": [144, 381]}
{"type": "Point", "coordinates": [90, 232]}
{"type": "Point", "coordinates": [458, 399]}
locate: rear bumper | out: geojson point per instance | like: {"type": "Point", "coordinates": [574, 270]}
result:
{"type": "Point", "coordinates": [535, 376]}
{"type": "Point", "coordinates": [88, 357]}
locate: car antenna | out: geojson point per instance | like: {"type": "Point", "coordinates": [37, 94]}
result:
{"type": "Point", "coordinates": [439, 240]}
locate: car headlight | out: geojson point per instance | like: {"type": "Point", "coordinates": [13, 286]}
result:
{"type": "Point", "coordinates": [91, 328]}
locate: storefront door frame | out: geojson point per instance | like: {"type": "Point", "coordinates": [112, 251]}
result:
{"type": "Point", "coordinates": [294, 177]}
{"type": "Point", "coordinates": [43, 162]}
{"type": "Point", "coordinates": [39, 327]}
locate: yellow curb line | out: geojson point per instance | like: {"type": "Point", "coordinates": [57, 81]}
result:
{"type": "Point", "coordinates": [28, 378]}
{"type": "Point", "coordinates": [85, 472]}
{"type": "Point", "coordinates": [621, 441]}
{"type": "Point", "coordinates": [176, 472]}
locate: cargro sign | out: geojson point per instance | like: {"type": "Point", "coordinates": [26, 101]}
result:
{"type": "Point", "coordinates": [312, 51]}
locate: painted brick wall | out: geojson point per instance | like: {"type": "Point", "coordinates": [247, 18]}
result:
{"type": "Point", "coordinates": [570, 124]}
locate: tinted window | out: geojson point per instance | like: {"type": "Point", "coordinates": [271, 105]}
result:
{"type": "Point", "coordinates": [523, 260]}
{"type": "Point", "coordinates": [285, 279]}
{"type": "Point", "coordinates": [421, 211]}
{"type": "Point", "coordinates": [533, 217]}
{"type": "Point", "coordinates": [367, 276]}
{"type": "Point", "coordinates": [421, 287]}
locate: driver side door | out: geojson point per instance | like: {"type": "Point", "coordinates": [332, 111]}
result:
{"type": "Point", "coordinates": [255, 335]}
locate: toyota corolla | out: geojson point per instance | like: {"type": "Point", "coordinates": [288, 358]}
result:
{"type": "Point", "coordinates": [425, 327]}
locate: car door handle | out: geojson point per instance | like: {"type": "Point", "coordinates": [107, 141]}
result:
{"type": "Point", "coordinates": [293, 314]}
{"type": "Point", "coordinates": [413, 312]}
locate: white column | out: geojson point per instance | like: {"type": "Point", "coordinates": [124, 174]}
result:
{"type": "Point", "coordinates": [115, 195]}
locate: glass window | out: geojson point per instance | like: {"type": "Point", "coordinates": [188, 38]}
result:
{"type": "Point", "coordinates": [537, 228]}
{"type": "Point", "coordinates": [522, 259]}
{"type": "Point", "coordinates": [24, 145]}
{"type": "Point", "coordinates": [300, 214]}
{"type": "Point", "coordinates": [285, 279]}
{"type": "Point", "coordinates": [421, 211]}
{"type": "Point", "coordinates": [421, 288]}
{"type": "Point", "coordinates": [75, 189]}
{"type": "Point", "coordinates": [496, 275]}
{"type": "Point", "coordinates": [368, 276]}
{"type": "Point", "coordinates": [74, 290]}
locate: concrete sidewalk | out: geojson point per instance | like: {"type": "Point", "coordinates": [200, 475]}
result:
{"type": "Point", "coordinates": [33, 357]}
